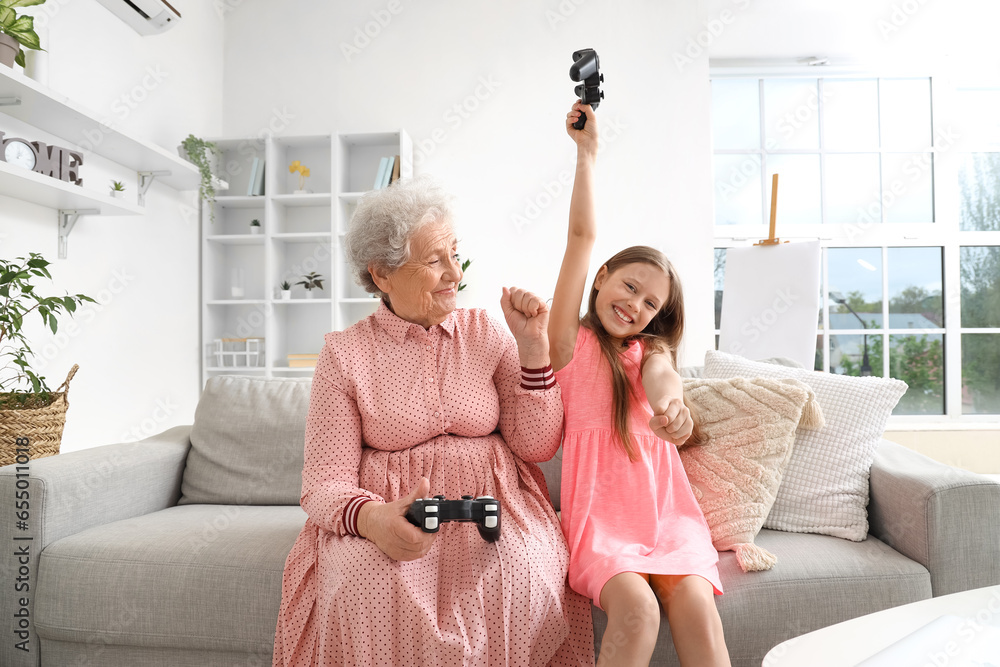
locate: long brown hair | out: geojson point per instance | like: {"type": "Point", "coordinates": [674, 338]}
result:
{"type": "Point", "coordinates": [662, 334]}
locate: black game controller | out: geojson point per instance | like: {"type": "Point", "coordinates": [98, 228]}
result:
{"type": "Point", "coordinates": [586, 68]}
{"type": "Point", "coordinates": [429, 513]}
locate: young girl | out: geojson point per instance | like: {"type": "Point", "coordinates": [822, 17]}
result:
{"type": "Point", "coordinates": [636, 535]}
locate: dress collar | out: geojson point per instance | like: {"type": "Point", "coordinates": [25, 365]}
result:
{"type": "Point", "coordinates": [397, 327]}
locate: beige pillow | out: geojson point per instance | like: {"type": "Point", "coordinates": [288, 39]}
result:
{"type": "Point", "coordinates": [750, 424]}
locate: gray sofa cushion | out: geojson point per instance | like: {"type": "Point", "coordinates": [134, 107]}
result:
{"type": "Point", "coordinates": [204, 577]}
{"type": "Point", "coordinates": [818, 581]}
{"type": "Point", "coordinates": [247, 442]}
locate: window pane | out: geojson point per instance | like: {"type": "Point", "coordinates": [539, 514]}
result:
{"type": "Point", "coordinates": [798, 188]}
{"type": "Point", "coordinates": [905, 112]}
{"type": "Point", "coordinates": [818, 365]}
{"type": "Point", "coordinates": [980, 267]}
{"type": "Point", "coordinates": [855, 280]}
{"type": "Point", "coordinates": [737, 189]}
{"type": "Point", "coordinates": [980, 377]}
{"type": "Point", "coordinates": [856, 355]}
{"type": "Point", "coordinates": [791, 119]}
{"type": "Point", "coordinates": [979, 182]}
{"type": "Point", "coordinates": [720, 282]}
{"type": "Point", "coordinates": [919, 362]}
{"type": "Point", "coordinates": [907, 187]}
{"type": "Point", "coordinates": [735, 113]}
{"type": "Point", "coordinates": [980, 115]}
{"type": "Point", "coordinates": [853, 194]}
{"type": "Point", "coordinates": [850, 114]}
{"type": "Point", "coordinates": [915, 288]}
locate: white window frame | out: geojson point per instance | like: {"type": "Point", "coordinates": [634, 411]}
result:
{"type": "Point", "coordinates": [944, 233]}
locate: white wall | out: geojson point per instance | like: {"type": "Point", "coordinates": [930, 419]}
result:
{"type": "Point", "coordinates": [483, 89]}
{"type": "Point", "coordinates": [138, 348]}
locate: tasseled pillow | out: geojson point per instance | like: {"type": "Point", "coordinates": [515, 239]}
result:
{"type": "Point", "coordinates": [750, 426]}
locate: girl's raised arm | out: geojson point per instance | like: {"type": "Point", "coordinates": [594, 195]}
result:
{"type": "Point", "coordinates": [564, 316]}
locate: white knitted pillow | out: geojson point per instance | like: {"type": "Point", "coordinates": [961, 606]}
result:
{"type": "Point", "coordinates": [825, 487]}
{"type": "Point", "coordinates": [750, 425]}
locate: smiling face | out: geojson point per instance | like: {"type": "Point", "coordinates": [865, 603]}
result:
{"type": "Point", "coordinates": [423, 290]}
{"type": "Point", "coordinates": [629, 297]}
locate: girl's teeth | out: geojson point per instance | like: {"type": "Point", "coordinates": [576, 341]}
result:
{"type": "Point", "coordinates": [621, 315]}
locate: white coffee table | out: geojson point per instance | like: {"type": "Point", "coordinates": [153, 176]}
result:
{"type": "Point", "coordinates": [851, 642]}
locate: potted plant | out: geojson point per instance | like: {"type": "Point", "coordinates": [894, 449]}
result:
{"type": "Point", "coordinates": [117, 188]}
{"type": "Point", "coordinates": [197, 152]}
{"type": "Point", "coordinates": [309, 281]}
{"type": "Point", "coordinates": [17, 32]}
{"type": "Point", "coordinates": [255, 226]}
{"type": "Point", "coordinates": [286, 290]}
{"type": "Point", "coordinates": [28, 408]}
{"type": "Point", "coordinates": [303, 174]}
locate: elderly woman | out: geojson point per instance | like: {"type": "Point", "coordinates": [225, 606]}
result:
{"type": "Point", "coordinates": [422, 399]}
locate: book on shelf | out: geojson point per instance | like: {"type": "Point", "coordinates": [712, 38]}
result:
{"type": "Point", "coordinates": [302, 360]}
{"type": "Point", "coordinates": [395, 170]}
{"type": "Point", "coordinates": [388, 171]}
{"type": "Point", "coordinates": [383, 163]}
{"type": "Point", "coordinates": [253, 175]}
{"type": "Point", "coordinates": [258, 183]}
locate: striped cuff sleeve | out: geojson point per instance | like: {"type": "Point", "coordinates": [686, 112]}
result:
{"type": "Point", "coordinates": [538, 378]}
{"type": "Point", "coordinates": [351, 513]}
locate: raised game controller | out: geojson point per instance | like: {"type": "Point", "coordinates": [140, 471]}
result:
{"type": "Point", "coordinates": [429, 513]}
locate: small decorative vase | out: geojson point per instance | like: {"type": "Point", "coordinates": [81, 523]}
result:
{"type": "Point", "coordinates": [286, 294]}
{"type": "Point", "coordinates": [237, 283]}
{"type": "Point", "coordinates": [255, 230]}
{"type": "Point", "coordinates": [309, 294]}
{"type": "Point", "coordinates": [118, 194]}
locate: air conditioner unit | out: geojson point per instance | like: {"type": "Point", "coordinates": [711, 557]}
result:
{"type": "Point", "coordinates": [147, 17]}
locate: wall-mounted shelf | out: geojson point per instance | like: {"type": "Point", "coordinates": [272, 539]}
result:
{"type": "Point", "coordinates": [32, 187]}
{"type": "Point", "coordinates": [41, 107]}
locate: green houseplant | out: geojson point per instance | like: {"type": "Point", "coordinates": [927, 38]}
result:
{"type": "Point", "coordinates": [198, 154]}
{"type": "Point", "coordinates": [310, 281]}
{"type": "Point", "coordinates": [17, 32]}
{"type": "Point", "coordinates": [29, 410]}
{"type": "Point", "coordinates": [465, 265]}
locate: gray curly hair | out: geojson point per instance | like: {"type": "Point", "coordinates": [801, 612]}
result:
{"type": "Point", "coordinates": [385, 220]}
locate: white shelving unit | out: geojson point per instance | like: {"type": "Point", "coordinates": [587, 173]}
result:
{"type": "Point", "coordinates": [30, 102]}
{"type": "Point", "coordinates": [302, 233]}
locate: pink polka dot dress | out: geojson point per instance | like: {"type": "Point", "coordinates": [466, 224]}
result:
{"type": "Point", "coordinates": [391, 403]}
{"type": "Point", "coordinates": [618, 515]}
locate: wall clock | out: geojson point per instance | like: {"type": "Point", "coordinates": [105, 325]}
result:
{"type": "Point", "coordinates": [60, 163]}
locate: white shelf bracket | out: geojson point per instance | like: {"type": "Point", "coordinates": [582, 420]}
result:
{"type": "Point", "coordinates": [67, 219]}
{"type": "Point", "coordinates": [9, 101]}
{"type": "Point", "coordinates": [146, 179]}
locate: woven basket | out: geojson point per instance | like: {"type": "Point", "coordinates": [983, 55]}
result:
{"type": "Point", "coordinates": [40, 421]}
